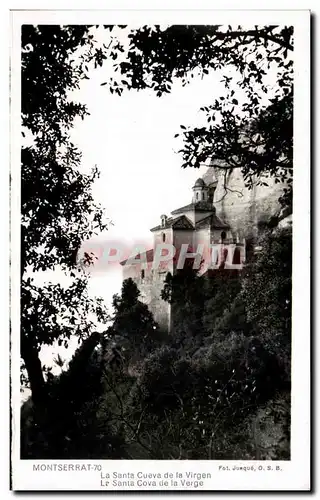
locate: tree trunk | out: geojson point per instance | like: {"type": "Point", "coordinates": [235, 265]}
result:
{"type": "Point", "coordinates": [30, 356]}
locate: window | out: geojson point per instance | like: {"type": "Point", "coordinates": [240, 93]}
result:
{"type": "Point", "coordinates": [224, 255]}
{"type": "Point", "coordinates": [236, 256]}
{"type": "Point", "coordinates": [142, 274]}
{"type": "Point", "coordinates": [211, 194]}
{"type": "Point", "coordinates": [203, 196]}
{"type": "Point", "coordinates": [223, 235]}
{"type": "Point", "coordinates": [197, 196]}
{"type": "Point", "coordinates": [163, 237]}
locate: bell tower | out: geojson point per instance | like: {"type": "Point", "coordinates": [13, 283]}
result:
{"type": "Point", "coordinates": [200, 191]}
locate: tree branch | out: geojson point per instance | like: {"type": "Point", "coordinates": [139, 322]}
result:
{"type": "Point", "coordinates": [254, 34]}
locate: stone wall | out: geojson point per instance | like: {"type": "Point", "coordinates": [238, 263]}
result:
{"type": "Point", "coordinates": [150, 287]}
{"type": "Point", "coordinates": [158, 236]}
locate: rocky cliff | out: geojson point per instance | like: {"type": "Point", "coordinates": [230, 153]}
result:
{"type": "Point", "coordinates": [246, 210]}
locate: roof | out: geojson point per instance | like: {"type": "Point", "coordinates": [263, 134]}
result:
{"type": "Point", "coordinates": [200, 206]}
{"type": "Point", "coordinates": [148, 254]}
{"type": "Point", "coordinates": [181, 222]}
{"type": "Point", "coordinates": [213, 222]}
{"type": "Point", "coordinates": [199, 183]}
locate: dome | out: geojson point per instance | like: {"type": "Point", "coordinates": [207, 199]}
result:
{"type": "Point", "coordinates": [199, 183]}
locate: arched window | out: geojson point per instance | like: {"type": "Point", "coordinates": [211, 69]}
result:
{"type": "Point", "coordinates": [236, 256]}
{"type": "Point", "coordinates": [223, 235]}
{"type": "Point", "coordinates": [224, 256]}
{"type": "Point", "coordinates": [142, 274]}
{"type": "Point", "coordinates": [197, 196]}
{"type": "Point", "coordinates": [203, 195]}
{"type": "Point", "coordinates": [163, 237]}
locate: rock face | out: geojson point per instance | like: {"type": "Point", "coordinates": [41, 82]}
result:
{"type": "Point", "coordinates": [245, 210]}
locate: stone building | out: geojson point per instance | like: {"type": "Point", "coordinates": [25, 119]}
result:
{"type": "Point", "coordinates": [191, 225]}
{"type": "Point", "coordinates": [223, 212]}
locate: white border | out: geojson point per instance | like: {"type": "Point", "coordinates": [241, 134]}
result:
{"type": "Point", "coordinates": [296, 472]}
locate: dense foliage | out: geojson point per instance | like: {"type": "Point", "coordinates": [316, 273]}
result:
{"type": "Point", "coordinates": [221, 391]}
{"type": "Point", "coordinates": [133, 322]}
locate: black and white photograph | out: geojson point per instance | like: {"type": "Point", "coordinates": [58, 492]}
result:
{"type": "Point", "coordinates": [155, 191]}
